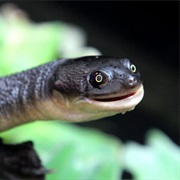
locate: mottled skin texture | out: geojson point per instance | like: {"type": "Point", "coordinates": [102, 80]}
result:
{"type": "Point", "coordinates": [19, 92]}
{"type": "Point", "coordinates": [67, 90]}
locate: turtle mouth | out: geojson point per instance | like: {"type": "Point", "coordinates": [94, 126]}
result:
{"type": "Point", "coordinates": [114, 103]}
{"type": "Point", "coordinates": [117, 98]}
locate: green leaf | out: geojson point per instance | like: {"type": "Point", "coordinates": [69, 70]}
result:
{"type": "Point", "coordinates": [73, 152]}
{"type": "Point", "coordinates": [159, 159]}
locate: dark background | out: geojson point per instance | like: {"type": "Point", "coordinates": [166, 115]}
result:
{"type": "Point", "coordinates": [145, 32]}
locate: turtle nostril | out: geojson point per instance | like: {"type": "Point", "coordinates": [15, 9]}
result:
{"type": "Point", "coordinates": [129, 80]}
{"type": "Point", "coordinates": [132, 81]}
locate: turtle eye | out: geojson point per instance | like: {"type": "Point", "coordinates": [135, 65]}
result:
{"type": "Point", "coordinates": [98, 79]}
{"type": "Point", "coordinates": [133, 68]}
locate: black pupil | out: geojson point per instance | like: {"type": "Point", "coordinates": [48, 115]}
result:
{"type": "Point", "coordinates": [133, 68]}
{"type": "Point", "coordinates": [99, 78]}
{"type": "Point", "coordinates": [96, 79]}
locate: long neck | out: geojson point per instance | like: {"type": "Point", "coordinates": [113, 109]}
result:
{"type": "Point", "coordinates": [19, 92]}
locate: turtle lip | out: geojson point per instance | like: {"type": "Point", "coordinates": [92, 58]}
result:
{"type": "Point", "coordinates": [115, 103]}
{"type": "Point", "coordinates": [115, 98]}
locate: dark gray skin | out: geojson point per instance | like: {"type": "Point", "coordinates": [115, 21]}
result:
{"type": "Point", "coordinates": [76, 77]}
{"type": "Point", "coordinates": [49, 91]}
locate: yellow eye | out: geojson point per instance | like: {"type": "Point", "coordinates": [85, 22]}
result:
{"type": "Point", "coordinates": [133, 68]}
{"type": "Point", "coordinates": [99, 78]}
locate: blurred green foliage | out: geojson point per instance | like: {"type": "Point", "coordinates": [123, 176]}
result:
{"type": "Point", "coordinates": [159, 159]}
{"type": "Point", "coordinates": [24, 44]}
{"type": "Point", "coordinates": [75, 153]}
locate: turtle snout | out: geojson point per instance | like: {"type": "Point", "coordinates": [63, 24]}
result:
{"type": "Point", "coordinates": [131, 81]}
